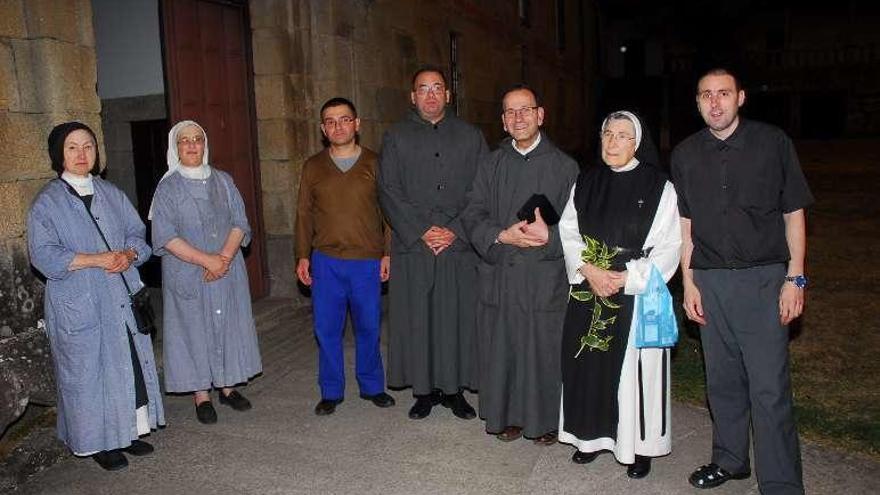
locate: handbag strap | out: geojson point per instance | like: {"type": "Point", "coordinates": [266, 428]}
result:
{"type": "Point", "coordinates": [101, 233]}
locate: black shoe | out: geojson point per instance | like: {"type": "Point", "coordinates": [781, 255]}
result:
{"type": "Point", "coordinates": [326, 406]}
{"type": "Point", "coordinates": [205, 413]}
{"type": "Point", "coordinates": [111, 460]}
{"type": "Point", "coordinates": [380, 400]}
{"type": "Point", "coordinates": [139, 448]}
{"type": "Point", "coordinates": [584, 457]}
{"type": "Point", "coordinates": [640, 468]}
{"type": "Point", "coordinates": [235, 400]}
{"type": "Point", "coordinates": [712, 475]}
{"type": "Point", "coordinates": [460, 407]}
{"type": "Point", "coordinates": [424, 403]}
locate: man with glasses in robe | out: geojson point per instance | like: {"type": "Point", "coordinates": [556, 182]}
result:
{"type": "Point", "coordinates": [427, 165]}
{"type": "Point", "coordinates": [523, 286]}
{"type": "Point", "coordinates": [342, 246]}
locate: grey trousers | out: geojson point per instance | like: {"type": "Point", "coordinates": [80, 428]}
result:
{"type": "Point", "coordinates": [747, 375]}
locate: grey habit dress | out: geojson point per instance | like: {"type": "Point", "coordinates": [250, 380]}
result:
{"type": "Point", "coordinates": [522, 291]}
{"type": "Point", "coordinates": [425, 172]}
{"type": "Point", "coordinates": [87, 312]}
{"type": "Point", "coordinates": [209, 335]}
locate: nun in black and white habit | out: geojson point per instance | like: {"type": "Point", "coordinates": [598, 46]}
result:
{"type": "Point", "coordinates": [620, 219]}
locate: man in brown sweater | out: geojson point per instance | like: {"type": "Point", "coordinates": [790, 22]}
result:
{"type": "Point", "coordinates": [342, 246]}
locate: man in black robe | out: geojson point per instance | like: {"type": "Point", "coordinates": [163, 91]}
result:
{"type": "Point", "coordinates": [523, 287]}
{"type": "Point", "coordinates": [426, 168]}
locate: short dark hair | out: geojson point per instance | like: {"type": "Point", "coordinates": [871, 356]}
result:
{"type": "Point", "coordinates": [521, 87]}
{"type": "Point", "coordinates": [429, 68]}
{"type": "Point", "coordinates": [721, 71]}
{"type": "Point", "coordinates": [337, 102]}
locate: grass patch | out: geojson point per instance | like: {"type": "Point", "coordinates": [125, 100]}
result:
{"type": "Point", "coordinates": [822, 419]}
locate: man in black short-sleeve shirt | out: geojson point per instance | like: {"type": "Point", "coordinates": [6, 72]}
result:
{"type": "Point", "coordinates": [742, 196]}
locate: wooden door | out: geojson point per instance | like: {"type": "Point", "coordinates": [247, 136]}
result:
{"type": "Point", "coordinates": [208, 79]}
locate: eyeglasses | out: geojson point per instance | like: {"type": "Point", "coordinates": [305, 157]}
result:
{"type": "Point", "coordinates": [512, 113]}
{"type": "Point", "coordinates": [191, 140]}
{"type": "Point", "coordinates": [341, 121]}
{"type": "Point", "coordinates": [619, 136]}
{"type": "Point", "coordinates": [436, 89]}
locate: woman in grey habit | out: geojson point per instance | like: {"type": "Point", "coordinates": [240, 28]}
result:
{"type": "Point", "coordinates": [108, 390]}
{"type": "Point", "coordinates": [199, 226]}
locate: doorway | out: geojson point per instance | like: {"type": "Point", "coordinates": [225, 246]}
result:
{"type": "Point", "coordinates": [161, 61]}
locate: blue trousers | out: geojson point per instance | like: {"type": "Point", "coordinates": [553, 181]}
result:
{"type": "Point", "coordinates": [337, 285]}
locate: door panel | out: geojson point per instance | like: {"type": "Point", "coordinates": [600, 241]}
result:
{"type": "Point", "coordinates": [208, 79]}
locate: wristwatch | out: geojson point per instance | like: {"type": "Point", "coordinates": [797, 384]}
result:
{"type": "Point", "coordinates": [799, 281]}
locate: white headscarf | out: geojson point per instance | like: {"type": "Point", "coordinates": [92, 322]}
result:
{"type": "Point", "coordinates": [203, 171]}
{"type": "Point", "coordinates": [630, 117]}
{"type": "Point", "coordinates": [637, 125]}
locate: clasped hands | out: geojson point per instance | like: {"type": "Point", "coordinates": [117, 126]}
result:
{"type": "Point", "coordinates": [216, 266]}
{"type": "Point", "coordinates": [603, 283]}
{"type": "Point", "coordinates": [117, 261]}
{"type": "Point", "coordinates": [524, 234]}
{"type": "Point", "coordinates": [438, 238]}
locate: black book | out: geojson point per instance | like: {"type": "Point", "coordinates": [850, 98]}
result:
{"type": "Point", "coordinates": [548, 213]}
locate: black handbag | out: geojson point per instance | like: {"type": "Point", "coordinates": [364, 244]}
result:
{"type": "Point", "coordinates": [142, 309]}
{"type": "Point", "coordinates": [144, 315]}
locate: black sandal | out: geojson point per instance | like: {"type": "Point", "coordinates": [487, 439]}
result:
{"type": "Point", "coordinates": [712, 475]}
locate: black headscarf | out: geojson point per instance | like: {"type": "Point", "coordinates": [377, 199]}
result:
{"type": "Point", "coordinates": [56, 145]}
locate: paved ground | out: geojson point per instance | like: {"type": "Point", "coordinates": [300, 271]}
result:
{"type": "Point", "coordinates": [281, 447]}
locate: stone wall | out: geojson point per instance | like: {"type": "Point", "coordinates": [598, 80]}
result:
{"type": "Point", "coordinates": [47, 76]}
{"type": "Point", "coordinates": [305, 52]}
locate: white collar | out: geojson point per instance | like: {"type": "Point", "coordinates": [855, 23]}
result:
{"type": "Point", "coordinates": [84, 186]}
{"type": "Point", "coordinates": [201, 172]}
{"type": "Point", "coordinates": [529, 149]}
{"type": "Point", "coordinates": [633, 163]}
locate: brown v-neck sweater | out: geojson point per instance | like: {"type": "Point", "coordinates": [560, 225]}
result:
{"type": "Point", "coordinates": [338, 212]}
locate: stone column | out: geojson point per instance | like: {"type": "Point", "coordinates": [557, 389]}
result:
{"type": "Point", "coordinates": [47, 76]}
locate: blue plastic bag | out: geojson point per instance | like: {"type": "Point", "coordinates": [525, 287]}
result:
{"type": "Point", "coordinates": [656, 318]}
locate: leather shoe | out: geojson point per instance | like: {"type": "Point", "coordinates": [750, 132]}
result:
{"type": "Point", "coordinates": [235, 400]}
{"type": "Point", "coordinates": [584, 457]}
{"type": "Point", "coordinates": [424, 403]}
{"type": "Point", "coordinates": [380, 400]}
{"type": "Point", "coordinates": [139, 448]}
{"type": "Point", "coordinates": [460, 407]}
{"type": "Point", "coordinates": [640, 468]}
{"type": "Point", "coordinates": [546, 439]}
{"type": "Point", "coordinates": [205, 413]}
{"type": "Point", "coordinates": [712, 475]}
{"type": "Point", "coordinates": [510, 434]}
{"type": "Point", "coordinates": [326, 406]}
{"type": "Point", "coordinates": [111, 460]}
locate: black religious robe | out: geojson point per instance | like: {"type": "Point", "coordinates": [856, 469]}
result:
{"type": "Point", "coordinates": [522, 291]}
{"type": "Point", "coordinates": [425, 172]}
{"type": "Point", "coordinates": [615, 211]}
